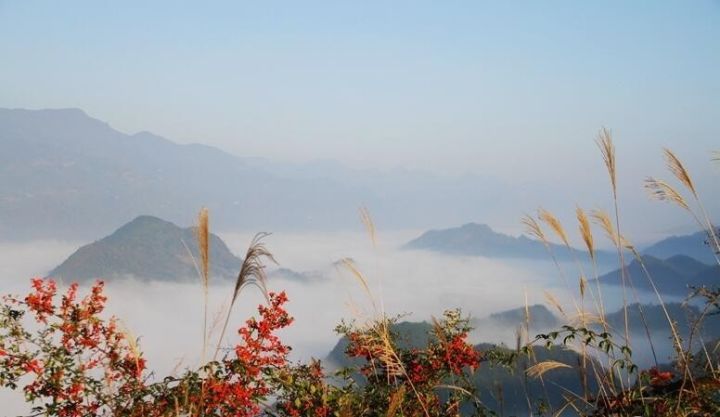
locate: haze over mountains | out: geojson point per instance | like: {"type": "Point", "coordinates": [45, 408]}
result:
{"type": "Point", "coordinates": [674, 275]}
{"type": "Point", "coordinates": [154, 249]}
{"type": "Point", "coordinates": [481, 240]}
{"type": "Point", "coordinates": [694, 245]}
{"type": "Point", "coordinates": [679, 268]}
{"type": "Point", "coordinates": [66, 175]}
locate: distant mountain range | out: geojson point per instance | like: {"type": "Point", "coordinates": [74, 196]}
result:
{"type": "Point", "coordinates": [540, 318]}
{"type": "Point", "coordinates": [673, 275]}
{"type": "Point", "coordinates": [480, 240]}
{"type": "Point", "coordinates": [694, 245]}
{"type": "Point", "coordinates": [66, 175]}
{"type": "Point", "coordinates": [147, 248]}
{"type": "Point", "coordinates": [687, 258]}
{"type": "Point", "coordinates": [682, 315]}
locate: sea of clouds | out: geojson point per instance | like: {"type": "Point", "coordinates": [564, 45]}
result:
{"type": "Point", "coordinates": [168, 317]}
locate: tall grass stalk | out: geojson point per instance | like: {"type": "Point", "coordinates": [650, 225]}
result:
{"type": "Point", "coordinates": [252, 272]}
{"type": "Point", "coordinates": [607, 148]}
{"type": "Point", "coordinates": [203, 239]}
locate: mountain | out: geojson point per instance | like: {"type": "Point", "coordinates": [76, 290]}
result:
{"type": "Point", "coordinates": [540, 317]}
{"type": "Point", "coordinates": [708, 276]}
{"type": "Point", "coordinates": [694, 245]}
{"type": "Point", "coordinates": [147, 248]}
{"type": "Point", "coordinates": [671, 276]}
{"type": "Point", "coordinates": [64, 174]}
{"type": "Point", "coordinates": [654, 316]}
{"type": "Point", "coordinates": [291, 275]}
{"type": "Point", "coordinates": [480, 240]}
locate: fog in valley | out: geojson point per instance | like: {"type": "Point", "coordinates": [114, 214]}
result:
{"type": "Point", "coordinates": [167, 317]}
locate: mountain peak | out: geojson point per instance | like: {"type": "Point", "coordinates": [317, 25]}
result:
{"type": "Point", "coordinates": [147, 248]}
{"type": "Point", "coordinates": [144, 220]}
{"type": "Point", "coordinates": [59, 114]}
{"type": "Point", "coordinates": [481, 240]}
{"type": "Point", "coordinates": [477, 227]}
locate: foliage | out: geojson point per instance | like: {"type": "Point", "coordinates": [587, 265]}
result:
{"type": "Point", "coordinates": [71, 362]}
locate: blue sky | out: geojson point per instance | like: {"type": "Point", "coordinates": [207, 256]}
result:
{"type": "Point", "coordinates": [516, 90]}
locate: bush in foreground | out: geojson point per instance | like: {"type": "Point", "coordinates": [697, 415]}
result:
{"type": "Point", "coordinates": [71, 362]}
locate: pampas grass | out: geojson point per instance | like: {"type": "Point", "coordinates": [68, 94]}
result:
{"type": "Point", "coordinates": [252, 272]}
{"type": "Point", "coordinates": [540, 368]}
{"type": "Point", "coordinates": [585, 231]}
{"type": "Point", "coordinates": [677, 168]}
{"type": "Point", "coordinates": [605, 143]}
{"type": "Point", "coordinates": [551, 221]}
{"type": "Point", "coordinates": [367, 221]}
{"type": "Point", "coordinates": [532, 227]}
{"type": "Point", "coordinates": [661, 190]}
{"type": "Point", "coordinates": [203, 240]}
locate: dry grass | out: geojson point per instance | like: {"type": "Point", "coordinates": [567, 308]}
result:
{"type": "Point", "coordinates": [553, 301]}
{"type": "Point", "coordinates": [549, 219]}
{"type": "Point", "coordinates": [677, 168]}
{"type": "Point", "coordinates": [605, 143]}
{"type": "Point", "coordinates": [396, 400]}
{"type": "Point", "coordinates": [349, 264]}
{"type": "Point", "coordinates": [540, 368]}
{"type": "Point", "coordinates": [252, 272]}
{"type": "Point", "coordinates": [583, 285]}
{"type": "Point", "coordinates": [532, 227]}
{"type": "Point", "coordinates": [663, 191]}
{"type": "Point", "coordinates": [367, 221]}
{"type": "Point", "coordinates": [585, 231]}
{"type": "Point", "coordinates": [602, 219]}
{"type": "Point", "coordinates": [203, 240]}
{"type": "Point", "coordinates": [660, 190]}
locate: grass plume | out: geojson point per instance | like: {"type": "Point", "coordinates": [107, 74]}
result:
{"type": "Point", "coordinates": [605, 143]}
{"type": "Point", "coordinates": [532, 227]}
{"type": "Point", "coordinates": [678, 170]}
{"type": "Point", "coordinates": [252, 272]}
{"type": "Point", "coordinates": [553, 301]}
{"type": "Point", "coordinates": [358, 275]}
{"type": "Point", "coordinates": [585, 231]}
{"type": "Point", "coordinates": [540, 368]}
{"type": "Point", "coordinates": [369, 224]}
{"type": "Point", "coordinates": [203, 240]}
{"type": "Point", "coordinates": [602, 219]}
{"type": "Point", "coordinates": [554, 224]}
{"type": "Point", "coordinates": [661, 190]}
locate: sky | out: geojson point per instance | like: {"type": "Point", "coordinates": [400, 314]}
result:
{"type": "Point", "coordinates": [517, 90]}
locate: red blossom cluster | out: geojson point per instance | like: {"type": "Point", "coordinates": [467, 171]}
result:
{"type": "Point", "coordinates": [241, 382]}
{"type": "Point", "coordinates": [658, 377]}
{"type": "Point", "coordinates": [448, 359]}
{"type": "Point", "coordinates": [77, 364]}
{"type": "Point", "coordinates": [40, 302]}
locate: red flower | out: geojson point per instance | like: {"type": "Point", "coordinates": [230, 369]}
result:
{"type": "Point", "coordinates": [658, 377]}
{"type": "Point", "coordinates": [33, 366]}
{"type": "Point", "coordinates": [41, 301]}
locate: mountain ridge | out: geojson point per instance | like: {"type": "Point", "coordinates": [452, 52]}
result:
{"type": "Point", "coordinates": [481, 240]}
{"type": "Point", "coordinates": [65, 174]}
{"type": "Point", "coordinates": [147, 248]}
{"type": "Point", "coordinates": [673, 275]}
